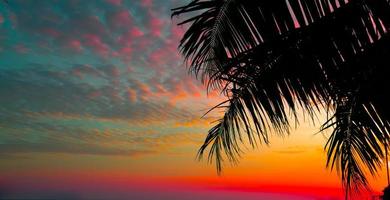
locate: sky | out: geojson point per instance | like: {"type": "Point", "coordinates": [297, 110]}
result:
{"type": "Point", "coordinates": [95, 102]}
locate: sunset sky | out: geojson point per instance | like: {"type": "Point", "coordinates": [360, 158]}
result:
{"type": "Point", "coordinates": [95, 102]}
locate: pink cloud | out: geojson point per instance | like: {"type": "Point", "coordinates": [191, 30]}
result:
{"type": "Point", "coordinates": [136, 32]}
{"type": "Point", "coordinates": [127, 38]}
{"type": "Point", "coordinates": [125, 53]}
{"type": "Point", "coordinates": [160, 88]}
{"type": "Point", "coordinates": [129, 69]}
{"type": "Point", "coordinates": [178, 94]}
{"type": "Point", "coordinates": [77, 73]}
{"type": "Point", "coordinates": [146, 3]}
{"type": "Point", "coordinates": [177, 32]}
{"type": "Point", "coordinates": [82, 70]}
{"type": "Point", "coordinates": [20, 48]}
{"type": "Point", "coordinates": [144, 89]}
{"type": "Point", "coordinates": [167, 53]}
{"type": "Point", "coordinates": [93, 41]}
{"type": "Point", "coordinates": [192, 88]}
{"type": "Point", "coordinates": [51, 32]}
{"type": "Point", "coordinates": [158, 57]}
{"type": "Point", "coordinates": [132, 95]}
{"type": "Point", "coordinates": [75, 45]}
{"type": "Point", "coordinates": [120, 19]}
{"type": "Point", "coordinates": [176, 89]}
{"type": "Point", "coordinates": [155, 25]}
{"type": "Point", "coordinates": [94, 94]}
{"type": "Point", "coordinates": [144, 43]}
{"type": "Point", "coordinates": [114, 71]}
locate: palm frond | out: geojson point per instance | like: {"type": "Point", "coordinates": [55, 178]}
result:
{"type": "Point", "coordinates": [228, 28]}
{"type": "Point", "coordinates": [354, 145]}
{"type": "Point", "coordinates": [271, 57]}
{"type": "Point", "coordinates": [360, 132]}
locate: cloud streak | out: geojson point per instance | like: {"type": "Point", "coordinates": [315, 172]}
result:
{"type": "Point", "coordinates": [103, 78]}
{"type": "Point", "coordinates": [69, 148]}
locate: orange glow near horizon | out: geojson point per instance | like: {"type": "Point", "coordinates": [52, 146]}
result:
{"type": "Point", "coordinates": [293, 165]}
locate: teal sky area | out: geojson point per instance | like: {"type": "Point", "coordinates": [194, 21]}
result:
{"type": "Point", "coordinates": [70, 69]}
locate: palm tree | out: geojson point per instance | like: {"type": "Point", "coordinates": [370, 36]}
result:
{"type": "Point", "coordinates": [386, 193]}
{"type": "Point", "coordinates": [271, 58]}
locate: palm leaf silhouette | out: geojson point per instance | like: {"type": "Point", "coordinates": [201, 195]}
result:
{"type": "Point", "coordinates": [271, 58]}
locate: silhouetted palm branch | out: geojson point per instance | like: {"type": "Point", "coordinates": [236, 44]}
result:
{"type": "Point", "coordinates": [272, 57]}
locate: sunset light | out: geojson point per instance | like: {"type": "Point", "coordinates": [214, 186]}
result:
{"type": "Point", "coordinates": [105, 99]}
